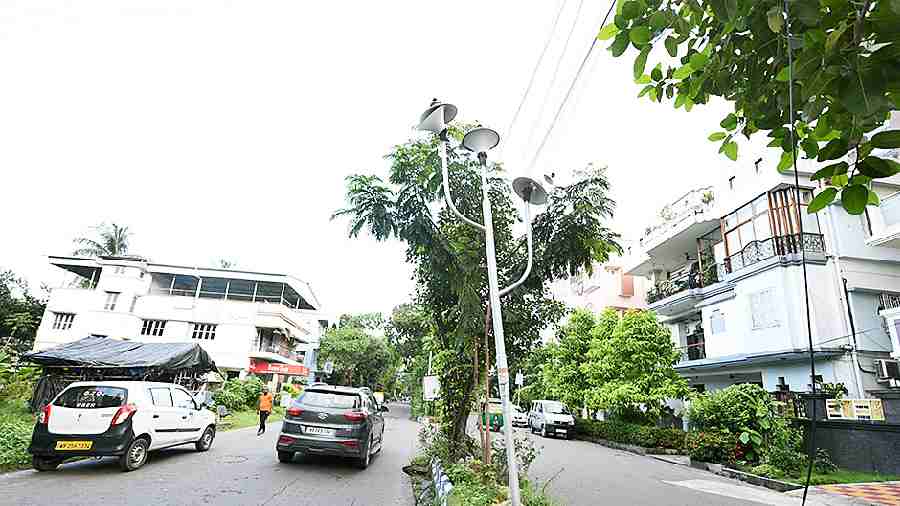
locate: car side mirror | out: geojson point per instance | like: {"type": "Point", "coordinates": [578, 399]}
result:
{"type": "Point", "coordinates": [383, 408]}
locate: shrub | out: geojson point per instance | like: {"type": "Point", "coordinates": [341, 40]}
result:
{"type": "Point", "coordinates": [15, 435]}
{"type": "Point", "coordinates": [732, 409]}
{"type": "Point", "coordinates": [629, 433]}
{"type": "Point", "coordinates": [823, 462]}
{"type": "Point", "coordinates": [715, 447]}
{"type": "Point", "coordinates": [767, 470]}
{"type": "Point", "coordinates": [239, 395]}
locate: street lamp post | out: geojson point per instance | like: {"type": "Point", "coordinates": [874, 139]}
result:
{"type": "Point", "coordinates": [479, 141]}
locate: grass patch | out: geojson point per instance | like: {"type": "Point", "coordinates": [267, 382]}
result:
{"type": "Point", "coordinates": [242, 419]}
{"type": "Point", "coordinates": [16, 424]}
{"type": "Point", "coordinates": [843, 476]}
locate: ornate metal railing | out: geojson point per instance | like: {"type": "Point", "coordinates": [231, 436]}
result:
{"type": "Point", "coordinates": [674, 285]}
{"type": "Point", "coordinates": [890, 300]}
{"type": "Point", "coordinates": [758, 251]}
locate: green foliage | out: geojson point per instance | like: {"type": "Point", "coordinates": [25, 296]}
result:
{"type": "Point", "coordinates": [562, 376]}
{"type": "Point", "coordinates": [717, 447]}
{"type": "Point", "coordinates": [845, 76]}
{"type": "Point", "coordinates": [16, 424]}
{"type": "Point", "coordinates": [767, 470]}
{"type": "Point", "coordinates": [647, 436]}
{"type": "Point", "coordinates": [823, 463]}
{"type": "Point", "coordinates": [16, 380]}
{"type": "Point", "coordinates": [238, 395]}
{"type": "Point", "coordinates": [525, 455]}
{"type": "Point", "coordinates": [730, 409]}
{"type": "Point", "coordinates": [20, 314]}
{"type": "Point", "coordinates": [449, 259]}
{"type": "Point", "coordinates": [630, 364]}
{"type": "Point", "coordinates": [360, 358]}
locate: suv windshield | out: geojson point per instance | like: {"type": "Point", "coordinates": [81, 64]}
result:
{"type": "Point", "coordinates": [556, 408]}
{"type": "Point", "coordinates": [339, 400]}
{"type": "Point", "coordinates": [92, 397]}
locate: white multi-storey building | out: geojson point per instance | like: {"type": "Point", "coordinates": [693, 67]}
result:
{"type": "Point", "coordinates": [726, 273]}
{"type": "Point", "coordinates": [249, 322]}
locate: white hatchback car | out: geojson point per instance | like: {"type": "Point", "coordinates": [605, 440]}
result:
{"type": "Point", "coordinates": [125, 419]}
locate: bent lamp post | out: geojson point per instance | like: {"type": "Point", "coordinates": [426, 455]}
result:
{"type": "Point", "coordinates": [479, 141]}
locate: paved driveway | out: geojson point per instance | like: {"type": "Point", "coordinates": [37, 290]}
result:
{"type": "Point", "coordinates": [240, 469]}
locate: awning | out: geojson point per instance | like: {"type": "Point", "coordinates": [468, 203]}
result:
{"type": "Point", "coordinates": [103, 352]}
{"type": "Point", "coordinates": [751, 359]}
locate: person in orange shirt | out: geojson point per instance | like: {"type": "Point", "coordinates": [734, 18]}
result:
{"type": "Point", "coordinates": [265, 408]}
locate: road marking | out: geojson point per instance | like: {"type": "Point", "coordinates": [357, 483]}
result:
{"type": "Point", "coordinates": [746, 493]}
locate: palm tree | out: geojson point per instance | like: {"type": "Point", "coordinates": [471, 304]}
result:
{"type": "Point", "coordinates": [111, 240]}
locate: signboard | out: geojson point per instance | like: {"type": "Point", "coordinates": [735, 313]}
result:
{"type": "Point", "coordinates": [431, 388]}
{"type": "Point", "coordinates": [854, 409]}
{"type": "Point", "coordinates": [263, 367]}
{"type": "Point", "coordinates": [520, 379]}
{"type": "Point", "coordinates": [379, 396]}
{"type": "Point", "coordinates": [329, 367]}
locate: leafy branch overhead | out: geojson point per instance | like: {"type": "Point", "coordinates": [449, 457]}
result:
{"type": "Point", "coordinates": [845, 75]}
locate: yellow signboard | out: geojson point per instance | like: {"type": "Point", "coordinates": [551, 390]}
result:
{"type": "Point", "coordinates": [854, 409]}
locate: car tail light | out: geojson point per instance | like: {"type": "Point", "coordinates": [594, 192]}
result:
{"type": "Point", "coordinates": [285, 440]}
{"type": "Point", "coordinates": [124, 413]}
{"type": "Point", "coordinates": [44, 417]}
{"type": "Point", "coordinates": [355, 416]}
{"type": "Point", "coordinates": [352, 443]}
{"type": "Point", "coordinates": [294, 411]}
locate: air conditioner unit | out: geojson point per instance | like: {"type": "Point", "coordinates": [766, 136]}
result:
{"type": "Point", "coordinates": [888, 369]}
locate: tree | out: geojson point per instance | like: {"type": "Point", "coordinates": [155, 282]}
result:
{"type": "Point", "coordinates": [373, 322]}
{"type": "Point", "coordinates": [20, 313]}
{"type": "Point", "coordinates": [845, 77]}
{"type": "Point", "coordinates": [409, 332]}
{"type": "Point", "coordinates": [111, 240]}
{"type": "Point", "coordinates": [451, 281]}
{"type": "Point", "coordinates": [359, 358]}
{"type": "Point", "coordinates": [630, 365]}
{"type": "Point", "coordinates": [562, 376]}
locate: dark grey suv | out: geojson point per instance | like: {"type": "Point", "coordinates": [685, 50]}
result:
{"type": "Point", "coordinates": [333, 420]}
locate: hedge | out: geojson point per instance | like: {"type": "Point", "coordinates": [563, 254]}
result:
{"type": "Point", "coordinates": [630, 433]}
{"type": "Point", "coordinates": [15, 435]}
{"type": "Point", "coordinates": [714, 447]}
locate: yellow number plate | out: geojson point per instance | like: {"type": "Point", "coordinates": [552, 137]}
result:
{"type": "Point", "coordinates": [74, 445]}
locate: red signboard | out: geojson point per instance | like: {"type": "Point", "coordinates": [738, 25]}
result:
{"type": "Point", "coordinates": [263, 367]}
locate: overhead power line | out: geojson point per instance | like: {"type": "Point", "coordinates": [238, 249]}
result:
{"type": "Point", "coordinates": [562, 105]}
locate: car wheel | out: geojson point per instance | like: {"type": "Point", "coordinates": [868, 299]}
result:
{"type": "Point", "coordinates": [206, 440]}
{"type": "Point", "coordinates": [366, 458]}
{"type": "Point", "coordinates": [544, 430]}
{"type": "Point", "coordinates": [135, 455]}
{"type": "Point", "coordinates": [45, 463]}
{"type": "Point", "coordinates": [285, 457]}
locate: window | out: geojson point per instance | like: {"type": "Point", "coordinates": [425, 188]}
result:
{"type": "Point", "coordinates": [717, 322]}
{"type": "Point", "coordinates": [182, 399]}
{"type": "Point", "coordinates": [185, 285]}
{"type": "Point", "coordinates": [338, 400]}
{"type": "Point", "coordinates": [63, 321]}
{"type": "Point", "coordinates": [204, 331]}
{"type": "Point", "coordinates": [92, 397]}
{"type": "Point", "coordinates": [133, 303]}
{"type": "Point", "coordinates": [111, 299]}
{"type": "Point", "coordinates": [161, 397]}
{"type": "Point", "coordinates": [764, 309]}
{"type": "Point", "coordinates": [213, 288]}
{"type": "Point", "coordinates": [241, 289]}
{"type": "Point", "coordinates": [153, 328]}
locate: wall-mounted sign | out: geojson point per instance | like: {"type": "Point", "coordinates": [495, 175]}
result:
{"type": "Point", "coordinates": [854, 409]}
{"type": "Point", "coordinates": [263, 367]}
{"type": "Point", "coordinates": [431, 388]}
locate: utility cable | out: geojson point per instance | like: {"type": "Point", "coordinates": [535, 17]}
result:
{"type": "Point", "coordinates": [812, 362]}
{"type": "Point", "coordinates": [562, 105]}
{"type": "Point", "coordinates": [537, 65]}
{"type": "Point", "coordinates": [555, 74]}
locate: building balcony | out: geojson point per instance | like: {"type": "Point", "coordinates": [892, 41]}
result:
{"type": "Point", "coordinates": [694, 351]}
{"type": "Point", "coordinates": [758, 251]}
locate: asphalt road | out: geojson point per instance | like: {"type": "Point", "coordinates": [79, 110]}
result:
{"type": "Point", "coordinates": [240, 469]}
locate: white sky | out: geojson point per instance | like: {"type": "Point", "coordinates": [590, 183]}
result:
{"type": "Point", "coordinates": [224, 129]}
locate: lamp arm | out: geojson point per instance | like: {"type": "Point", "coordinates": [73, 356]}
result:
{"type": "Point", "coordinates": [530, 240]}
{"type": "Point", "coordinates": [442, 152]}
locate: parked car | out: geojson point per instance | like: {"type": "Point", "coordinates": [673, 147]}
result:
{"type": "Point", "coordinates": [551, 418]}
{"type": "Point", "coordinates": [520, 417]}
{"type": "Point", "coordinates": [124, 419]}
{"type": "Point", "coordinates": [333, 420]}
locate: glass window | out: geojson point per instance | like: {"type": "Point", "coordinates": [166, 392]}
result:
{"type": "Point", "coordinates": [185, 285]}
{"type": "Point", "coordinates": [761, 228]}
{"type": "Point", "coordinates": [744, 213]}
{"type": "Point", "coordinates": [269, 292]}
{"type": "Point", "coordinates": [92, 397]}
{"type": "Point", "coordinates": [747, 235]}
{"type": "Point", "coordinates": [160, 283]}
{"type": "Point", "coordinates": [111, 299]}
{"type": "Point", "coordinates": [556, 407]}
{"type": "Point", "coordinates": [764, 309]}
{"type": "Point", "coordinates": [153, 328]}
{"type": "Point", "coordinates": [717, 322]}
{"type": "Point", "coordinates": [183, 399]}
{"type": "Point", "coordinates": [213, 288]}
{"type": "Point", "coordinates": [240, 289]}
{"type": "Point", "coordinates": [63, 321]}
{"type": "Point", "coordinates": [161, 397]}
{"type": "Point", "coordinates": [330, 399]}
{"type": "Point", "coordinates": [204, 331]}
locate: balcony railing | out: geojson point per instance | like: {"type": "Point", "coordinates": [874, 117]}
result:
{"type": "Point", "coordinates": [890, 300]}
{"type": "Point", "coordinates": [695, 351]}
{"type": "Point", "coordinates": [757, 251]}
{"type": "Point", "coordinates": [693, 278]}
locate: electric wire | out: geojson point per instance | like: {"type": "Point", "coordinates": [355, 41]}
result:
{"type": "Point", "coordinates": [512, 123]}
{"type": "Point", "coordinates": [565, 99]}
{"type": "Point", "coordinates": [555, 74]}
{"type": "Point", "coordinates": [812, 360]}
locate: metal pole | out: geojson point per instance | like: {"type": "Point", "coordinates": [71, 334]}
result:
{"type": "Point", "coordinates": [499, 341]}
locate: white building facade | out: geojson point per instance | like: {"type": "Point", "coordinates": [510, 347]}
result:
{"type": "Point", "coordinates": [725, 265]}
{"type": "Point", "coordinates": [249, 322]}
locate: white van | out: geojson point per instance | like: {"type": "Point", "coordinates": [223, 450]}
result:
{"type": "Point", "coordinates": [125, 419]}
{"type": "Point", "coordinates": [551, 418]}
